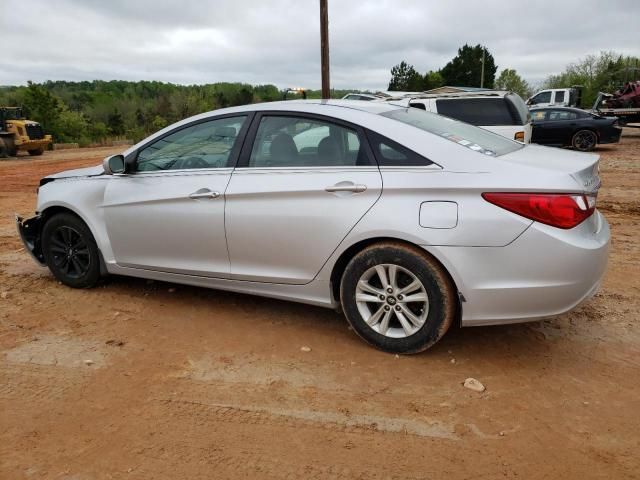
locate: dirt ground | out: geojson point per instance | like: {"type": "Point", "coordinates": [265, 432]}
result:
{"type": "Point", "coordinates": [146, 380]}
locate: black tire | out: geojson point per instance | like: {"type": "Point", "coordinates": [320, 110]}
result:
{"type": "Point", "coordinates": [435, 282]}
{"type": "Point", "coordinates": [9, 149]}
{"type": "Point", "coordinates": [70, 251]}
{"type": "Point", "coordinates": [584, 140]}
{"type": "Point", "coordinates": [36, 152]}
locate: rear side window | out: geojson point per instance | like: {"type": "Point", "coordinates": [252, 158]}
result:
{"type": "Point", "coordinates": [559, 97]}
{"type": "Point", "coordinates": [562, 115]}
{"type": "Point", "coordinates": [480, 111]}
{"type": "Point", "coordinates": [391, 154]}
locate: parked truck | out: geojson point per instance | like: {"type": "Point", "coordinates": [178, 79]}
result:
{"type": "Point", "coordinates": [557, 97]}
{"type": "Point", "coordinates": [17, 134]}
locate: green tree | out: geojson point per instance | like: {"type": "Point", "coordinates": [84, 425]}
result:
{"type": "Point", "coordinates": [41, 106]}
{"type": "Point", "coordinates": [405, 78]}
{"type": "Point", "coordinates": [71, 127]}
{"type": "Point", "coordinates": [432, 79]}
{"type": "Point", "coordinates": [98, 131]}
{"type": "Point", "coordinates": [510, 80]}
{"type": "Point", "coordinates": [464, 70]}
{"type": "Point", "coordinates": [605, 72]}
{"type": "Point", "coordinates": [115, 122]}
{"type": "Point", "coordinates": [159, 123]}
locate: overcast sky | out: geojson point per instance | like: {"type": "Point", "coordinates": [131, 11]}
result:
{"type": "Point", "coordinates": [277, 41]}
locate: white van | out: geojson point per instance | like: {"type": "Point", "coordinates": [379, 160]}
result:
{"type": "Point", "coordinates": [501, 112]}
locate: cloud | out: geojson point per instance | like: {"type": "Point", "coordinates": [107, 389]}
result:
{"type": "Point", "coordinates": [278, 41]}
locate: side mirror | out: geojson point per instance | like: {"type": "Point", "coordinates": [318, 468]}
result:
{"type": "Point", "coordinates": [113, 164]}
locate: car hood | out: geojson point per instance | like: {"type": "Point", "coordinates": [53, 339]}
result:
{"type": "Point", "coordinates": [79, 172]}
{"type": "Point", "coordinates": [582, 167]}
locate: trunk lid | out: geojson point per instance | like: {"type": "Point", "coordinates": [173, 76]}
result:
{"type": "Point", "coordinates": [582, 167]}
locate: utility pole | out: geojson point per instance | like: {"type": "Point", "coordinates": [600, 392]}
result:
{"type": "Point", "coordinates": [324, 48]}
{"type": "Point", "coordinates": [482, 70]}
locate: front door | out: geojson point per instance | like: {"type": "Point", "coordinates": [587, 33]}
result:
{"type": "Point", "coordinates": [168, 213]}
{"type": "Point", "coordinates": [301, 186]}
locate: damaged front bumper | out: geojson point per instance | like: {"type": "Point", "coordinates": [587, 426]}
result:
{"type": "Point", "coordinates": [29, 230]}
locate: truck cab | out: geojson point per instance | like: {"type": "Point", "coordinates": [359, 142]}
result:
{"type": "Point", "coordinates": [556, 97]}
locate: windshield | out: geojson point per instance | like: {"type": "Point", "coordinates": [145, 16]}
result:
{"type": "Point", "coordinates": [463, 134]}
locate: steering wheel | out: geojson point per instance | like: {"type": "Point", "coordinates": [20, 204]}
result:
{"type": "Point", "coordinates": [192, 162]}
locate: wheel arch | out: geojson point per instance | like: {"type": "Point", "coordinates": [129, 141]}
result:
{"type": "Point", "coordinates": [593, 130]}
{"type": "Point", "coordinates": [52, 210]}
{"type": "Point", "coordinates": [345, 257]}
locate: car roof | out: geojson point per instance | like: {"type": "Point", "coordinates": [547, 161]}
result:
{"type": "Point", "coordinates": [310, 106]}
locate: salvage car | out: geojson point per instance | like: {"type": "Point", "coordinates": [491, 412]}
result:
{"type": "Point", "coordinates": [405, 220]}
{"type": "Point", "coordinates": [572, 127]}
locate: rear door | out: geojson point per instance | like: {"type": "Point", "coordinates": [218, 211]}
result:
{"type": "Point", "coordinates": [168, 214]}
{"type": "Point", "coordinates": [559, 126]}
{"type": "Point", "coordinates": [302, 183]}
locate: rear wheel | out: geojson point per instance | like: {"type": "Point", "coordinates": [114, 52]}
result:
{"type": "Point", "coordinates": [397, 298]}
{"type": "Point", "coordinates": [70, 251]}
{"type": "Point", "coordinates": [584, 140]}
{"type": "Point", "coordinates": [36, 152]}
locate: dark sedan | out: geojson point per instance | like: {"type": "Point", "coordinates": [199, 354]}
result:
{"type": "Point", "coordinates": [572, 127]}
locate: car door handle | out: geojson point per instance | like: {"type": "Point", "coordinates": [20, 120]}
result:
{"type": "Point", "coordinates": [204, 193]}
{"type": "Point", "coordinates": [346, 187]}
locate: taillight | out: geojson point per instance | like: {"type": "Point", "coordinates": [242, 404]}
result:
{"type": "Point", "coordinates": [562, 210]}
{"type": "Point", "coordinates": [519, 136]}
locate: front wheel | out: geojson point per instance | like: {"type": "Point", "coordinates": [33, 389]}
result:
{"type": "Point", "coordinates": [584, 140]}
{"type": "Point", "coordinates": [36, 152]}
{"type": "Point", "coordinates": [397, 297]}
{"type": "Point", "coordinates": [70, 251]}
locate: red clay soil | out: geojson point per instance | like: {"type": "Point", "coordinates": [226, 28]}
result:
{"type": "Point", "coordinates": [147, 380]}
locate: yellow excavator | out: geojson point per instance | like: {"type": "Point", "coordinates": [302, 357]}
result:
{"type": "Point", "coordinates": [17, 134]}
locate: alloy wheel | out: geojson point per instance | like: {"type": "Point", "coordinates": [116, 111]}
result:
{"type": "Point", "coordinates": [392, 301]}
{"type": "Point", "coordinates": [70, 252]}
{"type": "Point", "coordinates": [585, 140]}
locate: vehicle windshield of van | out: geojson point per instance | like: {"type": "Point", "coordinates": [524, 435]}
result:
{"type": "Point", "coordinates": [465, 135]}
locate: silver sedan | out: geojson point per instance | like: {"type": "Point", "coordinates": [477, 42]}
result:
{"type": "Point", "coordinates": [406, 221]}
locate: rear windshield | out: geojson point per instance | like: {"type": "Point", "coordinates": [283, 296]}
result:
{"type": "Point", "coordinates": [465, 135]}
{"type": "Point", "coordinates": [484, 111]}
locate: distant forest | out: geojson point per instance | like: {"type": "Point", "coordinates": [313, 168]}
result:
{"type": "Point", "coordinates": [96, 111]}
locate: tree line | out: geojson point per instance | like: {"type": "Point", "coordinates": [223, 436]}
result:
{"type": "Point", "coordinates": [94, 111]}
{"type": "Point", "coordinates": [603, 72]}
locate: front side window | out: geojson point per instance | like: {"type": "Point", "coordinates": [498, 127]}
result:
{"type": "Point", "coordinates": [303, 142]}
{"type": "Point", "coordinates": [205, 145]}
{"type": "Point", "coordinates": [538, 115]}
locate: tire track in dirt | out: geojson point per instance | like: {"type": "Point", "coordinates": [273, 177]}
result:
{"type": "Point", "coordinates": [335, 421]}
